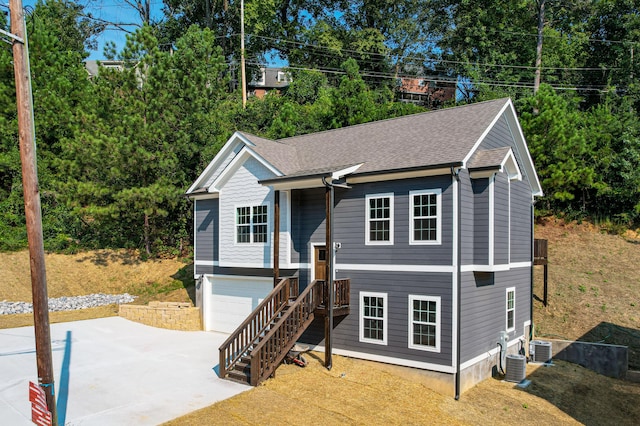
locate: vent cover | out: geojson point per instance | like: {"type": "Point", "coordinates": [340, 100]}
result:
{"type": "Point", "coordinates": [541, 351]}
{"type": "Point", "coordinates": [516, 368]}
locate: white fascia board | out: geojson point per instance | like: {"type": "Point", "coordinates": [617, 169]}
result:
{"type": "Point", "coordinates": [236, 163]}
{"type": "Point", "coordinates": [483, 174]}
{"type": "Point", "coordinates": [523, 150]}
{"type": "Point", "coordinates": [397, 175]}
{"type": "Point", "coordinates": [484, 135]}
{"type": "Point", "coordinates": [218, 159]}
{"type": "Point", "coordinates": [286, 185]}
{"type": "Point", "coordinates": [510, 166]}
{"type": "Point", "coordinates": [207, 196]}
{"type": "Point", "coordinates": [339, 174]}
{"type": "Point", "coordinates": [521, 146]}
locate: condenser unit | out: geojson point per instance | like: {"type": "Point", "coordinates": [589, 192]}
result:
{"type": "Point", "coordinates": [516, 368]}
{"type": "Point", "coordinates": [540, 351]}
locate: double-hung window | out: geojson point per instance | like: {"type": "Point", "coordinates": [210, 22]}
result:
{"type": "Point", "coordinates": [373, 318]}
{"type": "Point", "coordinates": [424, 323]}
{"type": "Point", "coordinates": [379, 225]}
{"type": "Point", "coordinates": [251, 224]}
{"type": "Point", "coordinates": [511, 309]}
{"type": "Point", "coordinates": [425, 218]}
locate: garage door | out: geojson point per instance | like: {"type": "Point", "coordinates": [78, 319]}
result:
{"type": "Point", "coordinates": [232, 299]}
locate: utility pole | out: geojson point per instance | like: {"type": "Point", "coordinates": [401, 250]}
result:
{"type": "Point", "coordinates": [244, 76]}
{"type": "Point", "coordinates": [32, 208]}
{"type": "Point", "coordinates": [536, 81]}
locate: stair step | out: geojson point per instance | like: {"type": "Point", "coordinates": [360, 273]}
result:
{"type": "Point", "coordinates": [239, 377]}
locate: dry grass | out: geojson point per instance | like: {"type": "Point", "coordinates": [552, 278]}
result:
{"type": "Point", "coordinates": [111, 272]}
{"type": "Point", "coordinates": [594, 286]}
{"type": "Point", "coordinates": [357, 392]}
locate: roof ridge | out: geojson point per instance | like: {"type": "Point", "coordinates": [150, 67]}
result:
{"type": "Point", "coordinates": [386, 120]}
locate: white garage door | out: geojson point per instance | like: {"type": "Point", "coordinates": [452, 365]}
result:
{"type": "Point", "coordinates": [231, 300]}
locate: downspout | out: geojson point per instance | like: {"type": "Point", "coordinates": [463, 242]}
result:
{"type": "Point", "coordinates": [276, 238]}
{"type": "Point", "coordinates": [328, 324]}
{"type": "Point", "coordinates": [456, 175]}
{"type": "Point", "coordinates": [533, 204]}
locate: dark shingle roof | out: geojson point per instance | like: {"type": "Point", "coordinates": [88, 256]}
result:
{"type": "Point", "coordinates": [432, 138]}
{"type": "Point", "coordinates": [488, 158]}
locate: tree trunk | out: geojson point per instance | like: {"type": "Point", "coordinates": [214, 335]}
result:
{"type": "Point", "coordinates": [147, 243]}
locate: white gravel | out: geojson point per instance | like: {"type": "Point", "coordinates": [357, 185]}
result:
{"type": "Point", "coordinates": [67, 303]}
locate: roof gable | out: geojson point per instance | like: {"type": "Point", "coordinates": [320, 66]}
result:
{"type": "Point", "coordinates": [431, 140]}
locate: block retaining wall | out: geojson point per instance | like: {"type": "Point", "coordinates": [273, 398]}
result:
{"type": "Point", "coordinates": [171, 315]}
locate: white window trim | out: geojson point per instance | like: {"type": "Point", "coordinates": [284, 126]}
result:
{"type": "Point", "coordinates": [438, 240]}
{"type": "Point", "coordinates": [367, 219]}
{"type": "Point", "coordinates": [385, 314]}
{"type": "Point", "coordinates": [235, 224]}
{"type": "Point", "coordinates": [436, 299]}
{"type": "Point", "coordinates": [506, 313]}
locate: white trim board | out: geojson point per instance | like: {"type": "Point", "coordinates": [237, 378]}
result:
{"type": "Point", "coordinates": [394, 268]}
{"type": "Point", "coordinates": [388, 360]}
{"type": "Point", "coordinates": [489, 353]}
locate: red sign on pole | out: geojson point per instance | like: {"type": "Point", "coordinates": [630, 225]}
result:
{"type": "Point", "coordinates": [40, 413]}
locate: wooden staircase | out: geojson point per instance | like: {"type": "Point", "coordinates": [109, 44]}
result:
{"type": "Point", "coordinates": [257, 347]}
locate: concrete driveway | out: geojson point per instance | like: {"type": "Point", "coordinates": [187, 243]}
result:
{"type": "Point", "coordinates": [111, 371]}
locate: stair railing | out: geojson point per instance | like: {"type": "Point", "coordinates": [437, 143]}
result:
{"type": "Point", "coordinates": [239, 342]}
{"type": "Point", "coordinates": [271, 350]}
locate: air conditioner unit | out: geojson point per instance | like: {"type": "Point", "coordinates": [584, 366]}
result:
{"type": "Point", "coordinates": [516, 368]}
{"type": "Point", "coordinates": [540, 351]}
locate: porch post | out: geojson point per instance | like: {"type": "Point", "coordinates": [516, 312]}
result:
{"type": "Point", "coordinates": [328, 319]}
{"type": "Point", "coordinates": [276, 237]}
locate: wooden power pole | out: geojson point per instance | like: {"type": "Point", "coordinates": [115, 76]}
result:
{"type": "Point", "coordinates": [536, 81]}
{"type": "Point", "coordinates": [242, 62]}
{"type": "Point", "coordinates": [33, 212]}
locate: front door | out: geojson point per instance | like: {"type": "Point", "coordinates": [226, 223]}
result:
{"type": "Point", "coordinates": [320, 262]}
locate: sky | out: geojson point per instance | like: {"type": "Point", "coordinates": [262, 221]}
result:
{"type": "Point", "coordinates": [119, 11]}
{"type": "Point", "coordinates": [113, 11]}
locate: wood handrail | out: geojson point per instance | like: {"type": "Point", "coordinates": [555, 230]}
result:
{"type": "Point", "coordinates": [267, 354]}
{"type": "Point", "coordinates": [239, 342]}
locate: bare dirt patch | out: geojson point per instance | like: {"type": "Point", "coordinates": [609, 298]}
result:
{"type": "Point", "coordinates": [360, 392]}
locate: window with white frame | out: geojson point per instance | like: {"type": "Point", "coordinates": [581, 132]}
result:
{"type": "Point", "coordinates": [425, 219]}
{"type": "Point", "coordinates": [511, 309]}
{"type": "Point", "coordinates": [424, 323]}
{"type": "Point", "coordinates": [379, 226]}
{"type": "Point", "coordinates": [251, 224]}
{"type": "Point", "coordinates": [373, 318]}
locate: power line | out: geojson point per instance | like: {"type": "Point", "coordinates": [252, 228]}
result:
{"type": "Point", "coordinates": [445, 61]}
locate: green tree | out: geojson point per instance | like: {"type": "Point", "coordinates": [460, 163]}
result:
{"type": "Point", "coordinates": [552, 126]}
{"type": "Point", "coordinates": [353, 102]}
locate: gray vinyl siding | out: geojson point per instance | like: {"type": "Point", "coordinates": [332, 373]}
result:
{"type": "Point", "coordinates": [206, 234]}
{"type": "Point", "coordinates": [307, 225]}
{"type": "Point", "coordinates": [350, 224]}
{"type": "Point", "coordinates": [398, 286]}
{"type": "Point", "coordinates": [521, 221]}
{"type": "Point", "coordinates": [501, 219]}
{"type": "Point", "coordinates": [500, 136]}
{"type": "Point", "coordinates": [480, 221]}
{"type": "Point", "coordinates": [483, 308]}
{"type": "Point", "coordinates": [467, 219]}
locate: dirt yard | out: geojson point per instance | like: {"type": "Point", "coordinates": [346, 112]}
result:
{"type": "Point", "coordinates": [358, 392]}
